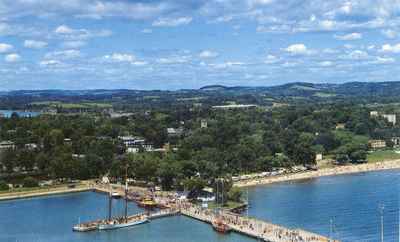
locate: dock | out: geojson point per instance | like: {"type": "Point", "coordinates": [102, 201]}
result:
{"type": "Point", "coordinates": [252, 227]}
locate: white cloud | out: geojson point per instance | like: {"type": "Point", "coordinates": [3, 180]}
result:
{"type": "Point", "coordinates": [391, 48]}
{"type": "Point", "coordinates": [227, 64]}
{"type": "Point", "coordinates": [172, 22]}
{"type": "Point", "coordinates": [63, 54]}
{"type": "Point", "coordinates": [174, 59]}
{"type": "Point", "coordinates": [73, 44]}
{"type": "Point", "coordinates": [297, 49]}
{"type": "Point", "coordinates": [208, 54]}
{"type": "Point", "coordinates": [328, 24]}
{"type": "Point", "coordinates": [34, 44]}
{"type": "Point", "coordinates": [352, 36]}
{"type": "Point", "coordinates": [46, 63]}
{"type": "Point", "coordinates": [120, 57]}
{"type": "Point", "coordinates": [389, 33]}
{"type": "Point", "coordinates": [67, 32]}
{"type": "Point", "coordinates": [384, 60]}
{"type": "Point", "coordinates": [64, 29]}
{"type": "Point", "coordinates": [357, 55]}
{"type": "Point", "coordinates": [147, 31]}
{"type": "Point", "coordinates": [326, 63]}
{"type": "Point", "coordinates": [271, 59]}
{"type": "Point", "coordinates": [12, 57]}
{"type": "Point", "coordinates": [4, 48]}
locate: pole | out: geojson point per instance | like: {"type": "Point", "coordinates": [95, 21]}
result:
{"type": "Point", "coordinates": [126, 193]}
{"type": "Point", "coordinates": [110, 203]}
{"type": "Point", "coordinates": [381, 210]}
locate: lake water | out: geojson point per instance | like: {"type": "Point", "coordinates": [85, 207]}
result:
{"type": "Point", "coordinates": [7, 113]}
{"type": "Point", "coordinates": [351, 201]}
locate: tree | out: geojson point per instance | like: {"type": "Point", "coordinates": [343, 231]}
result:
{"type": "Point", "coordinates": [4, 186]}
{"type": "Point", "coordinates": [30, 182]}
{"type": "Point", "coordinates": [235, 194]}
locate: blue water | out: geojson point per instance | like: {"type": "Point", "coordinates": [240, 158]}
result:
{"type": "Point", "coordinates": [7, 113]}
{"type": "Point", "coordinates": [351, 201]}
{"type": "Point", "coordinates": [51, 219]}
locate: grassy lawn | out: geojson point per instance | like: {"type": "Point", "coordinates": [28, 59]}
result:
{"type": "Point", "coordinates": [382, 155]}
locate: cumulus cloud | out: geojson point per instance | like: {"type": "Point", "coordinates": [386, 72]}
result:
{"type": "Point", "coordinates": [63, 54]}
{"type": "Point", "coordinates": [73, 44]}
{"type": "Point", "coordinates": [67, 32]}
{"type": "Point", "coordinates": [389, 33]}
{"type": "Point", "coordinates": [123, 58]}
{"type": "Point", "coordinates": [384, 60]}
{"type": "Point", "coordinates": [172, 22]}
{"type": "Point", "coordinates": [352, 36]}
{"type": "Point", "coordinates": [208, 54]}
{"type": "Point", "coordinates": [46, 63]}
{"type": "Point", "coordinates": [326, 63]}
{"type": "Point", "coordinates": [177, 59]}
{"type": "Point", "coordinates": [34, 44]}
{"type": "Point", "coordinates": [12, 58]}
{"type": "Point", "coordinates": [357, 55]}
{"type": "Point", "coordinates": [4, 48]}
{"type": "Point", "coordinates": [298, 49]}
{"type": "Point", "coordinates": [391, 48]}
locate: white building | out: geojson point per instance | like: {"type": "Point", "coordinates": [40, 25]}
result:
{"type": "Point", "coordinates": [133, 144]}
{"type": "Point", "coordinates": [7, 145]}
{"type": "Point", "coordinates": [391, 118]}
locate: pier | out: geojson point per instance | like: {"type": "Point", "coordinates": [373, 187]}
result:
{"type": "Point", "coordinates": [252, 227]}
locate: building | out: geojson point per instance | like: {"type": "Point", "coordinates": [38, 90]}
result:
{"type": "Point", "coordinates": [391, 118]}
{"type": "Point", "coordinates": [172, 132]}
{"type": "Point", "coordinates": [203, 124]}
{"type": "Point", "coordinates": [340, 126]}
{"type": "Point", "coordinates": [396, 141]}
{"type": "Point", "coordinates": [373, 114]}
{"type": "Point", "coordinates": [7, 145]}
{"type": "Point", "coordinates": [377, 144]}
{"type": "Point", "coordinates": [318, 157]}
{"type": "Point", "coordinates": [134, 144]}
{"type": "Point", "coordinates": [31, 146]}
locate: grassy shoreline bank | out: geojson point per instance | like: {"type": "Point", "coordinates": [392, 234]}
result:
{"type": "Point", "coordinates": [338, 170]}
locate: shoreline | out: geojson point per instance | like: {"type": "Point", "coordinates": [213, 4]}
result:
{"type": "Point", "coordinates": [42, 193]}
{"type": "Point", "coordinates": [338, 170]}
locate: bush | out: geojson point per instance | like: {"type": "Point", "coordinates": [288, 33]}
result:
{"type": "Point", "coordinates": [4, 186]}
{"type": "Point", "coordinates": [235, 194]}
{"type": "Point", "coordinates": [30, 182]}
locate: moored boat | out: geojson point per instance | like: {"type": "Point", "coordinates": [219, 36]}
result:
{"type": "Point", "coordinates": [122, 222]}
{"type": "Point", "coordinates": [220, 226]}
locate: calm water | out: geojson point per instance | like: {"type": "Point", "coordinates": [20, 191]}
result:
{"type": "Point", "coordinates": [352, 202]}
{"type": "Point", "coordinates": [7, 113]}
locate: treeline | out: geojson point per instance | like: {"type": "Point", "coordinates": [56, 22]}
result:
{"type": "Point", "coordinates": [234, 142]}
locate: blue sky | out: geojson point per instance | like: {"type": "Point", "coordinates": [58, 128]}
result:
{"type": "Point", "coordinates": [174, 44]}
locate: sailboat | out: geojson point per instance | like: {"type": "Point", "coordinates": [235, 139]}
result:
{"type": "Point", "coordinates": [121, 222]}
{"type": "Point", "coordinates": [218, 224]}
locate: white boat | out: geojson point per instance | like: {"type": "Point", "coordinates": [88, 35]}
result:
{"type": "Point", "coordinates": [116, 225]}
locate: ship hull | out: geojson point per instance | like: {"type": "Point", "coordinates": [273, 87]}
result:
{"type": "Point", "coordinates": [122, 225]}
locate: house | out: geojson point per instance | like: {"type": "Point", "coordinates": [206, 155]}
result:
{"type": "Point", "coordinates": [391, 118]}
{"type": "Point", "coordinates": [173, 132]}
{"type": "Point", "coordinates": [133, 144]}
{"type": "Point", "coordinates": [377, 144]}
{"type": "Point", "coordinates": [7, 145]}
{"type": "Point", "coordinates": [340, 126]}
{"type": "Point", "coordinates": [318, 157]}
{"type": "Point", "coordinates": [373, 114]}
{"type": "Point", "coordinates": [396, 141]}
{"type": "Point", "coordinates": [31, 146]}
{"type": "Point", "coordinates": [203, 124]}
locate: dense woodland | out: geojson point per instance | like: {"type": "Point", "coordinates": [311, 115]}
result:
{"type": "Point", "coordinates": [234, 141]}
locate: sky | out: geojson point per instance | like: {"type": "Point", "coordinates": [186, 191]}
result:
{"type": "Point", "coordinates": [176, 44]}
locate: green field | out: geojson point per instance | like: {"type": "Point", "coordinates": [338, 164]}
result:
{"type": "Point", "coordinates": [382, 155]}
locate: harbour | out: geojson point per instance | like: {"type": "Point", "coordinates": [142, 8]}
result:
{"type": "Point", "coordinates": [89, 206]}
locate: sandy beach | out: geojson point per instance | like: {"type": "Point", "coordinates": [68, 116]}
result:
{"type": "Point", "coordinates": [338, 170]}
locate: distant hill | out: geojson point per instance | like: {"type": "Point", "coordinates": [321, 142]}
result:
{"type": "Point", "coordinates": [213, 88]}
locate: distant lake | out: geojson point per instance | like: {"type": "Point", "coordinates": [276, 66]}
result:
{"type": "Point", "coordinates": [7, 113]}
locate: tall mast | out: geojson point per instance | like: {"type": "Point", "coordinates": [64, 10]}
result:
{"type": "Point", "coordinates": [126, 193]}
{"type": "Point", "coordinates": [110, 203]}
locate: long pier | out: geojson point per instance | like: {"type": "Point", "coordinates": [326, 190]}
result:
{"type": "Point", "coordinates": [251, 227]}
